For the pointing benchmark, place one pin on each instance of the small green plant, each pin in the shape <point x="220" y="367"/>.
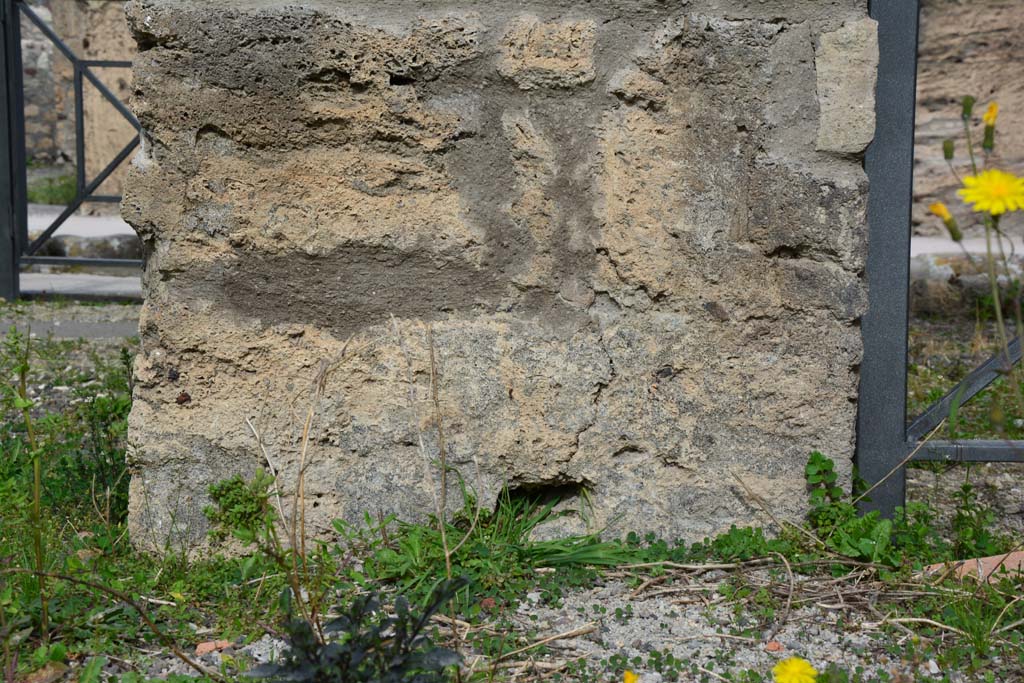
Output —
<point x="366" y="644"/>
<point x="972" y="526"/>
<point x="19" y="349"/>
<point x="915" y="535"/>
<point x="741" y="544"/>
<point x="242" y="508"/>
<point x="821" y="477"/>
<point x="836" y="521"/>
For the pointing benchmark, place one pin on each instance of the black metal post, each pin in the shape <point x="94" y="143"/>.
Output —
<point x="11" y="100"/>
<point x="881" y="418"/>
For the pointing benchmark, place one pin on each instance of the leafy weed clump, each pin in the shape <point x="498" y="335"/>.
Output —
<point x="365" y="643"/>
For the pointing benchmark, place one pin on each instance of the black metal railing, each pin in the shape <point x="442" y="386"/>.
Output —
<point x="885" y="441"/>
<point x="17" y="249"/>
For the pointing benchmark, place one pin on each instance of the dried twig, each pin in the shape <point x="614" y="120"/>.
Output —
<point x="442" y="455"/>
<point x="723" y="636"/>
<point x="581" y="631"/>
<point x="167" y="641"/>
<point x="767" y="510"/>
<point x="270" y="464"/>
<point x="901" y="463"/>
<point x="789" y="595"/>
<point x="711" y="673"/>
<point x="428" y="473"/>
<point x="647" y="584"/>
<point x="915" y="620"/>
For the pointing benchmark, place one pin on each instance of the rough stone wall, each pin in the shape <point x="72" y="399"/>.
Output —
<point x="966" y="48"/>
<point x="39" y="89"/>
<point x="94" y="29"/>
<point x="636" y="231"/>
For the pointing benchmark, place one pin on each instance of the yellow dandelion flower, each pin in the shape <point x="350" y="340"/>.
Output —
<point x="794" y="670"/>
<point x="940" y="210"/>
<point x="630" y="677"/>
<point x="991" y="114"/>
<point x="994" y="192"/>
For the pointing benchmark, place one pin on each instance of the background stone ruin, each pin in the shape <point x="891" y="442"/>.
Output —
<point x="966" y="48"/>
<point x="93" y="29"/>
<point x="632" y="233"/>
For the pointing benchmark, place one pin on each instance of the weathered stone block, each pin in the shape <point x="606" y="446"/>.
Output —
<point x="537" y="54"/>
<point x="847" y="61"/>
<point x="639" y="276"/>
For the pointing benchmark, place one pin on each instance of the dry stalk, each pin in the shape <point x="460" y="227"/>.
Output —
<point x="1002" y="613"/>
<point x="789" y="594"/>
<point x="723" y="636"/>
<point x="712" y="674"/>
<point x="764" y="508"/>
<point x="915" y="620"/>
<point x="581" y="631"/>
<point x="882" y="617"/>
<point x="298" y="573"/>
<point x="647" y="584"/>
<point x="901" y="463"/>
<point x="442" y="454"/>
<point x="299" y="511"/>
<point x="438" y="495"/>
<point x="270" y="465"/>
<point x="167" y="641"/>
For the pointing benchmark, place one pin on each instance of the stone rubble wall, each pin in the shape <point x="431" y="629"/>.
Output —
<point x="633" y="235"/>
<point x="93" y="29"/>
<point x="39" y="89"/>
<point x="966" y="48"/>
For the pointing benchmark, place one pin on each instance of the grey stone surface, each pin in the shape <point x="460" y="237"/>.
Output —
<point x="41" y="216"/>
<point x="82" y="284"/>
<point x="966" y="48"/>
<point x="846" y="62"/>
<point x="72" y="329"/>
<point x="643" y="280"/>
<point x="39" y="89"/>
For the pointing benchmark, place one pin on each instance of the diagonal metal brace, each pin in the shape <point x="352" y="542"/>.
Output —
<point x="80" y="199"/>
<point x="970" y="386"/>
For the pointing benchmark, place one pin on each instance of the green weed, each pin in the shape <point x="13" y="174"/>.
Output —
<point x="60" y="190"/>
<point x="498" y="555"/>
<point x="365" y="644"/>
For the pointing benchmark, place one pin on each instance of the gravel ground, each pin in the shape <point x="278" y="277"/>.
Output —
<point x="611" y="625"/>
<point x="999" y="486"/>
<point x="48" y="311"/>
<point x="704" y="635"/>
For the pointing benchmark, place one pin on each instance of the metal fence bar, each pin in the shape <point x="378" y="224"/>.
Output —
<point x="979" y="378"/>
<point x="81" y="198"/>
<point x="15" y="249"/>
<point x="46" y="30"/>
<point x="79" y="261"/>
<point x="18" y="172"/>
<point x="8" y="229"/>
<point x="972" y="450"/>
<point x="112" y="98"/>
<point x="106" y="63"/>
<point x="881" y="415"/>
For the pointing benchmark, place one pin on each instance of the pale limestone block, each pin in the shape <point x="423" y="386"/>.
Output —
<point x="847" y="67"/>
